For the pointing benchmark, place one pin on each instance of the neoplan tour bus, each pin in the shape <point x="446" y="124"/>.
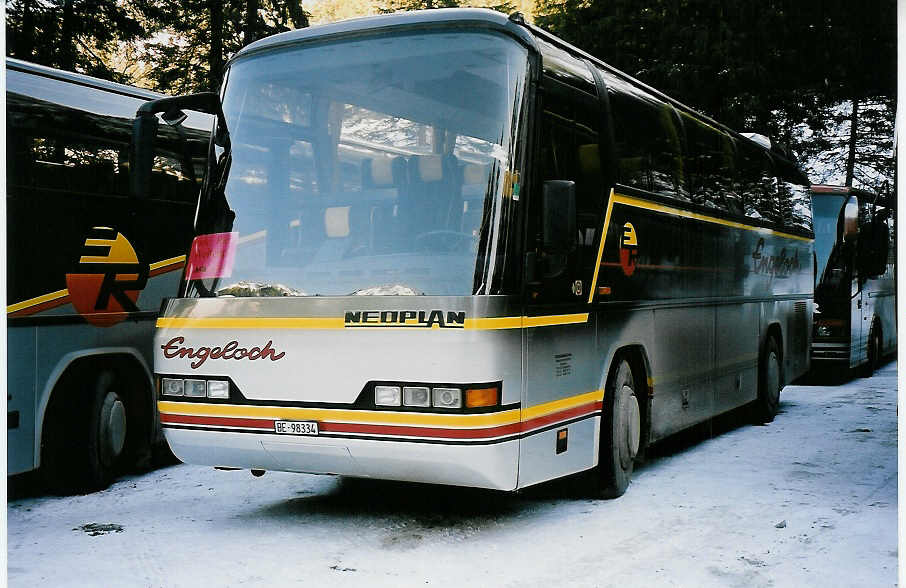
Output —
<point x="445" y="246"/>
<point x="855" y="278"/>
<point x="87" y="267"/>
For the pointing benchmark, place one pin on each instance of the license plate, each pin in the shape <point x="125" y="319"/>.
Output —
<point x="296" y="427"/>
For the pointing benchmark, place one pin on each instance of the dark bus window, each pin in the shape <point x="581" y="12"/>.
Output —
<point x="570" y="151"/>
<point x="710" y="165"/>
<point x="757" y="183"/>
<point x="62" y="148"/>
<point x="648" y="144"/>
<point x="566" y="69"/>
<point x="795" y="197"/>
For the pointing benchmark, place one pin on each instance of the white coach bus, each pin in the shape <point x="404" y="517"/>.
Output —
<point x="448" y="247"/>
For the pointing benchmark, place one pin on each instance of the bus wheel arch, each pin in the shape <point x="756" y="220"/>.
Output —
<point x="625" y="421"/>
<point x="96" y="420"/>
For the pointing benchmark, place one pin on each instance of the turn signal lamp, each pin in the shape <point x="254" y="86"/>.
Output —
<point x="479" y="397"/>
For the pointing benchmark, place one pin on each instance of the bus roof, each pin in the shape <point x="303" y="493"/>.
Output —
<point x="462" y="17"/>
<point x="80" y="79"/>
<point x="825" y="189"/>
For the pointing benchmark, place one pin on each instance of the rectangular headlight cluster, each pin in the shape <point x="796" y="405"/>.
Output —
<point x="195" y="388"/>
<point x="437" y="397"/>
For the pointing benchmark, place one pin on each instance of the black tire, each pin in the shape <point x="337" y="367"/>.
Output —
<point x="621" y="431"/>
<point x="770" y="379"/>
<point x="87" y="435"/>
<point x="874" y="351"/>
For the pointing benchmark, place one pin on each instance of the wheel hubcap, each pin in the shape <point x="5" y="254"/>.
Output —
<point x="630" y="426"/>
<point x="112" y="428"/>
<point x="774" y="378"/>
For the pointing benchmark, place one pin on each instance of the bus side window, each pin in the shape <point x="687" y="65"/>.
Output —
<point x="757" y="183"/>
<point x="795" y="197"/>
<point x="569" y="151"/>
<point x="648" y="142"/>
<point x="710" y="165"/>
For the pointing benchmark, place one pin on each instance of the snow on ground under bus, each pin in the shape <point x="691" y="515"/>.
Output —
<point x="808" y="500"/>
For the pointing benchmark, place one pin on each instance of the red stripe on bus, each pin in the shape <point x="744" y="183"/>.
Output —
<point x="185" y="419"/>
<point x="43" y="306"/>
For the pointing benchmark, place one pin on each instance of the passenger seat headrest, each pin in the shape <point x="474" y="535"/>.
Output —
<point x="382" y="171"/>
<point x="430" y="168"/>
<point x="589" y="159"/>
<point x="336" y="221"/>
<point x="475" y="173"/>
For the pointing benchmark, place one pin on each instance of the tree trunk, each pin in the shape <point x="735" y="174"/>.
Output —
<point x="26" y="37"/>
<point x="67" y="42"/>
<point x="251" y="21"/>
<point x="215" y="57"/>
<point x="853" y="136"/>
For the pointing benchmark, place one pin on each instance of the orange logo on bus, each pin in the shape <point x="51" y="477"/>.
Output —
<point x="109" y="278"/>
<point x="629" y="249"/>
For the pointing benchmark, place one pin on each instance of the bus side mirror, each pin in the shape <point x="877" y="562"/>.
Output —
<point x="874" y="247"/>
<point x="850" y="220"/>
<point x="144" y="129"/>
<point x="141" y="154"/>
<point x="559" y="214"/>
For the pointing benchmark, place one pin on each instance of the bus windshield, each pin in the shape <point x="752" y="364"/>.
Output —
<point x="376" y="165"/>
<point x="830" y="263"/>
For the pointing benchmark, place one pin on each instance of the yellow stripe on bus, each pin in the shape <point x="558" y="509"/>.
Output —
<point x="648" y="205"/>
<point x="547" y="408"/>
<point x="38" y="300"/>
<point x="483" y="323"/>
<point x="166" y="262"/>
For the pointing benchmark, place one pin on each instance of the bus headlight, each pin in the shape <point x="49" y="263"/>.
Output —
<point x="446" y="397"/>
<point x="387" y="395"/>
<point x="195" y="388"/>
<point x="218" y="389"/>
<point x="171" y="387"/>
<point x="416" y="396"/>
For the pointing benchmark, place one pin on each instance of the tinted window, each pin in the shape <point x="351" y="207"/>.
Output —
<point x="647" y="140"/>
<point x="75" y="140"/>
<point x="710" y="165"/>
<point x="757" y="183"/>
<point x="570" y="151"/>
<point x="563" y="67"/>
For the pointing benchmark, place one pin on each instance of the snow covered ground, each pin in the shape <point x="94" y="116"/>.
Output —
<point x="809" y="500"/>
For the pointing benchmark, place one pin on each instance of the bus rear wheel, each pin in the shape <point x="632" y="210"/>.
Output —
<point x="874" y="351"/>
<point x="621" y="428"/>
<point x="769" y="383"/>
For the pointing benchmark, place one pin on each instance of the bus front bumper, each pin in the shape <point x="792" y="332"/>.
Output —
<point x="487" y="465"/>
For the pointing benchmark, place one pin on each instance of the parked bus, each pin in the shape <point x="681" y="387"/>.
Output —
<point x="448" y="247"/>
<point x="855" y="278"/>
<point x="87" y="267"/>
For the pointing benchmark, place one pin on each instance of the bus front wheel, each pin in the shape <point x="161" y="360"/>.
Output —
<point x="85" y="437"/>
<point x="621" y="427"/>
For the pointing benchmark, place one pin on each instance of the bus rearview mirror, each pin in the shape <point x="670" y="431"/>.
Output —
<point x="850" y="219"/>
